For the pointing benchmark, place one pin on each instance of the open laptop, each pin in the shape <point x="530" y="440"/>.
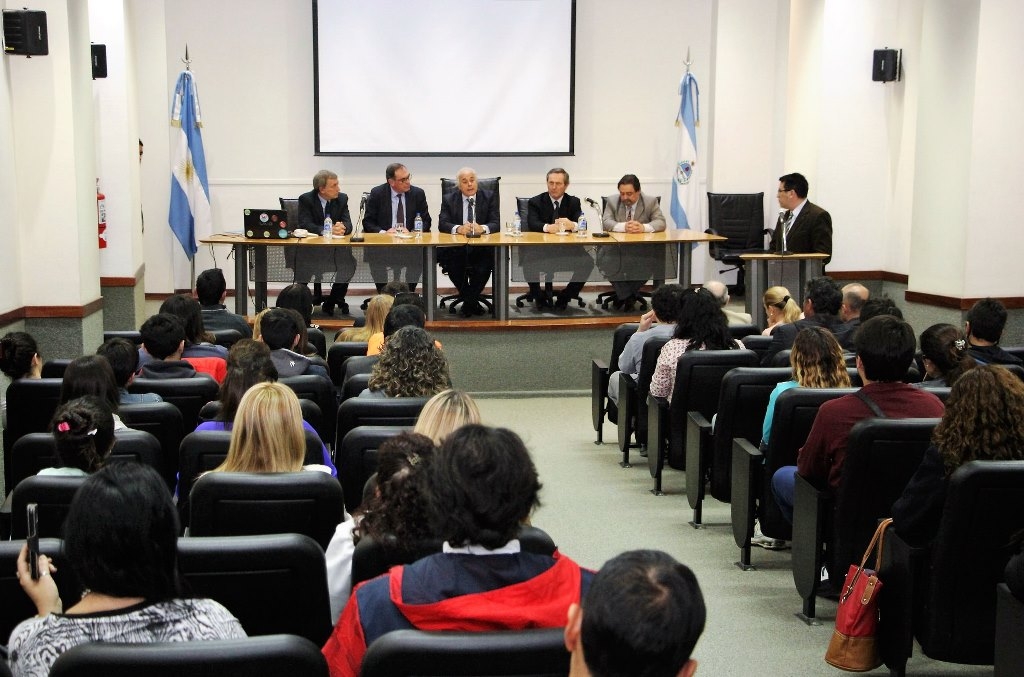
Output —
<point x="267" y="224"/>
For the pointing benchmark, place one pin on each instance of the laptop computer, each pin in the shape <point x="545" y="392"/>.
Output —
<point x="266" y="224"/>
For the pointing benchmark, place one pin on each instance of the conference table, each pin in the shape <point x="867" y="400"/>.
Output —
<point x="429" y="242"/>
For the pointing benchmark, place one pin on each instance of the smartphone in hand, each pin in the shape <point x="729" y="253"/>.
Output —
<point x="33" y="540"/>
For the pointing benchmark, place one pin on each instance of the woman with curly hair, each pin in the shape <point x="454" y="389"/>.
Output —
<point x="395" y="514"/>
<point x="701" y="326"/>
<point x="984" y="421"/>
<point x="410" y="365"/>
<point x="944" y="355"/>
<point x="817" y="361"/>
<point x="376" y="310"/>
<point x="779" y="308"/>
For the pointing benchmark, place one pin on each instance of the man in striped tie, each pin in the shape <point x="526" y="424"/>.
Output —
<point x="806" y="226"/>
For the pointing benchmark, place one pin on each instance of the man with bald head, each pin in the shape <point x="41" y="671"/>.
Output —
<point x="854" y="297"/>
<point x="471" y="212"/>
<point x="721" y="294"/>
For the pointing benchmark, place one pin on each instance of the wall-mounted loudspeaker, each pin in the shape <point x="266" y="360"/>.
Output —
<point x="25" y="32"/>
<point x="99" y="61"/>
<point x="886" y="65"/>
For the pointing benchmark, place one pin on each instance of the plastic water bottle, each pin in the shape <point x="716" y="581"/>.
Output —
<point x="328" y="231"/>
<point x="517" y="225"/>
<point x="417" y="225"/>
<point x="581" y="227"/>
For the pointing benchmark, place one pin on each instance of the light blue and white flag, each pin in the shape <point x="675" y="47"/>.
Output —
<point x="685" y="189"/>
<point x="190" y="190"/>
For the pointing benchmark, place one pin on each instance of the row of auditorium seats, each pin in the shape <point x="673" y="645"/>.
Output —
<point x="827" y="531"/>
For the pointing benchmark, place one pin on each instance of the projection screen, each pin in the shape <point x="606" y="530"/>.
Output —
<point x="443" y="77"/>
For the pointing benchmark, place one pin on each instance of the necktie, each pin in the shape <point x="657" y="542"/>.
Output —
<point x="327" y="209"/>
<point x="471" y="215"/>
<point x="556" y="209"/>
<point x="629" y="213"/>
<point x="400" y="213"/>
<point x="787" y="220"/>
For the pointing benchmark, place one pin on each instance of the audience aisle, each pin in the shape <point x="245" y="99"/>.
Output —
<point x="594" y="509"/>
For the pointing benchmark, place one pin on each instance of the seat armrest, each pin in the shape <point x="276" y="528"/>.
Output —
<point x="698" y="456"/>
<point x="627" y="411"/>
<point x="598" y="391"/>
<point x="812" y="507"/>
<point x="747" y="474"/>
<point x="657" y="432"/>
<point x="902" y="571"/>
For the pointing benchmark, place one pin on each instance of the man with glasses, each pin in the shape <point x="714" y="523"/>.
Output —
<point x="807" y="227"/>
<point x="391" y="206"/>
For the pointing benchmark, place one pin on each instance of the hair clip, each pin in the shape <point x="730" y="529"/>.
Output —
<point x="960" y="344"/>
<point x="414" y="459"/>
<point x="63" y="427"/>
<point x="785" y="300"/>
<point x="92" y="433"/>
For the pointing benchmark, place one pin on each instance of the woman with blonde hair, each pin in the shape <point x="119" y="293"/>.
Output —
<point x="376" y="310"/>
<point x="446" y="412"/>
<point x="983" y="421"/>
<point x="267" y="435"/>
<point x="779" y="308"/>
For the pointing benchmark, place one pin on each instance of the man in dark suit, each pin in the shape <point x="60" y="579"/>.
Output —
<point x="470" y="212"/>
<point x="555" y="212"/>
<point x="325" y="201"/>
<point x="396" y="202"/>
<point x="808" y="227"/>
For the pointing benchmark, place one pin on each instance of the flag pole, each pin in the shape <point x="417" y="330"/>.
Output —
<point x="192" y="260"/>
<point x="188" y="62"/>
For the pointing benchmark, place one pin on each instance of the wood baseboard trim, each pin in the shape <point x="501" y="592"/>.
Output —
<point x="956" y="303"/>
<point x="871" y="275"/>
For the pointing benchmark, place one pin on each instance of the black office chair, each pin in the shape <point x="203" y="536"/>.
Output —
<point x="31" y="404"/>
<point x="881" y="457"/>
<point x="740" y="218"/>
<point x="226" y="337"/>
<point x="357" y="411"/>
<point x="268" y="655"/>
<point x="187" y="394"/>
<point x="17" y="605"/>
<point x="449" y="186"/>
<point x="163" y="421"/>
<point x="52" y="495"/>
<point x="357" y="458"/>
<point x="600" y="372"/>
<point x="338" y="353"/>
<point x="36" y="451"/>
<point x="241" y="504"/>
<point x="272" y="583"/>
<point x="526" y="653"/>
<point x="944" y="596"/>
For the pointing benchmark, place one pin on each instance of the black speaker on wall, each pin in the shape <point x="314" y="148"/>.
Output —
<point x="99" y="61"/>
<point x="886" y="65"/>
<point x="25" y="32"/>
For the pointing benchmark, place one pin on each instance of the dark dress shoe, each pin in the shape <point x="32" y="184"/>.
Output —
<point x="561" y="302"/>
<point x="343" y="307"/>
<point x="328" y="307"/>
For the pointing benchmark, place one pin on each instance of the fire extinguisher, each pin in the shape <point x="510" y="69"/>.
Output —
<point x="101" y="215"/>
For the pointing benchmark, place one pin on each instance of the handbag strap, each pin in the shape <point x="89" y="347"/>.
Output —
<point x="870" y="404"/>
<point x="879" y="539"/>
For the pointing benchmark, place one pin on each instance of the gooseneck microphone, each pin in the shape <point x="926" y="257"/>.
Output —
<point x="357" y="232"/>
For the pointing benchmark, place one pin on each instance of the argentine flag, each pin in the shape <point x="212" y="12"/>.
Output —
<point x="685" y="191"/>
<point x="190" y="190"/>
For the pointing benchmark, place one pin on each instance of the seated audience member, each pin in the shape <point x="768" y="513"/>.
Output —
<point x="779" y="308"/>
<point x="83" y="431"/>
<point x="249" y="363"/>
<point x="446" y="412"/>
<point x="163" y="337"/>
<point x="885" y="349"/>
<point x="92" y="375"/>
<point x="211" y="290"/>
<point x="944" y="355"/>
<point x="481" y="487"/>
<point x="120" y="541"/>
<point x="198" y="343"/>
<point x="658" y="322"/>
<point x="642" y="615"/>
<point x="400" y="315"/>
<point x="817" y="362"/>
<point x="984" y="327"/>
<point x="297" y="297"/>
<point x="721" y="294"/>
<point x="123" y="356"/>
<point x="701" y="326"/>
<point x="395" y="516"/>
<point x="880" y="306"/>
<point x="376" y="310"/>
<point x="257" y="333"/>
<point x="304" y="346"/>
<point x="822" y="300"/>
<point x="983" y="421"/>
<point x="395" y="287"/>
<point x="19" y="358"/>
<point x="409" y="366"/>
<point x="267" y="434"/>
<point x="282" y="333"/>
<point x="854" y="297"/>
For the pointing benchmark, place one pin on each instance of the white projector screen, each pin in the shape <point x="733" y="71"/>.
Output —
<point x="444" y="77"/>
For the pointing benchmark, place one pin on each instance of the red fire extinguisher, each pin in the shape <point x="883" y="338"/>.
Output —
<point x="101" y="215"/>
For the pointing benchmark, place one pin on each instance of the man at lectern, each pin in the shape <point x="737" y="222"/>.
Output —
<point x="806" y="226"/>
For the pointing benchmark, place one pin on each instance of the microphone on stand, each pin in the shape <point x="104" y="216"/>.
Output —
<point x="357" y="232"/>
<point x="593" y="204"/>
<point x="784" y="225"/>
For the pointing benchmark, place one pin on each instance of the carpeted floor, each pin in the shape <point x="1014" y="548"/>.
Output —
<point x="594" y="509"/>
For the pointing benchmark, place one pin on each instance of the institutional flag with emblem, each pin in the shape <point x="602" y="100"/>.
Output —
<point x="190" y="190"/>
<point x="685" y="191"/>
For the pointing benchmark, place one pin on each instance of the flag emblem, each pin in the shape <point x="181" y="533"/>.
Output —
<point x="684" y="171"/>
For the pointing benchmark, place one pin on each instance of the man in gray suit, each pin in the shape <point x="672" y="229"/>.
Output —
<point x="630" y="212"/>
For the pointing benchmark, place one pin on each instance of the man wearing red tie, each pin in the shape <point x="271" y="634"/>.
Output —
<point x="806" y="226"/>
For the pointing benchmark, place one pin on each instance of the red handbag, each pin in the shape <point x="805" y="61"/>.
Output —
<point x="853" y="646"/>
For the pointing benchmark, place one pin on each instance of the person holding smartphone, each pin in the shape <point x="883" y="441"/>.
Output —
<point x="121" y="544"/>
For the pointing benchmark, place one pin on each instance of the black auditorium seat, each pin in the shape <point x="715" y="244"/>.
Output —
<point x="187" y="394"/>
<point x="357" y="411"/>
<point x="163" y="421"/>
<point x="632" y="409"/>
<point x="337" y="353"/>
<point x="52" y="494"/>
<point x="357" y="458"/>
<point x="600" y="372"/>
